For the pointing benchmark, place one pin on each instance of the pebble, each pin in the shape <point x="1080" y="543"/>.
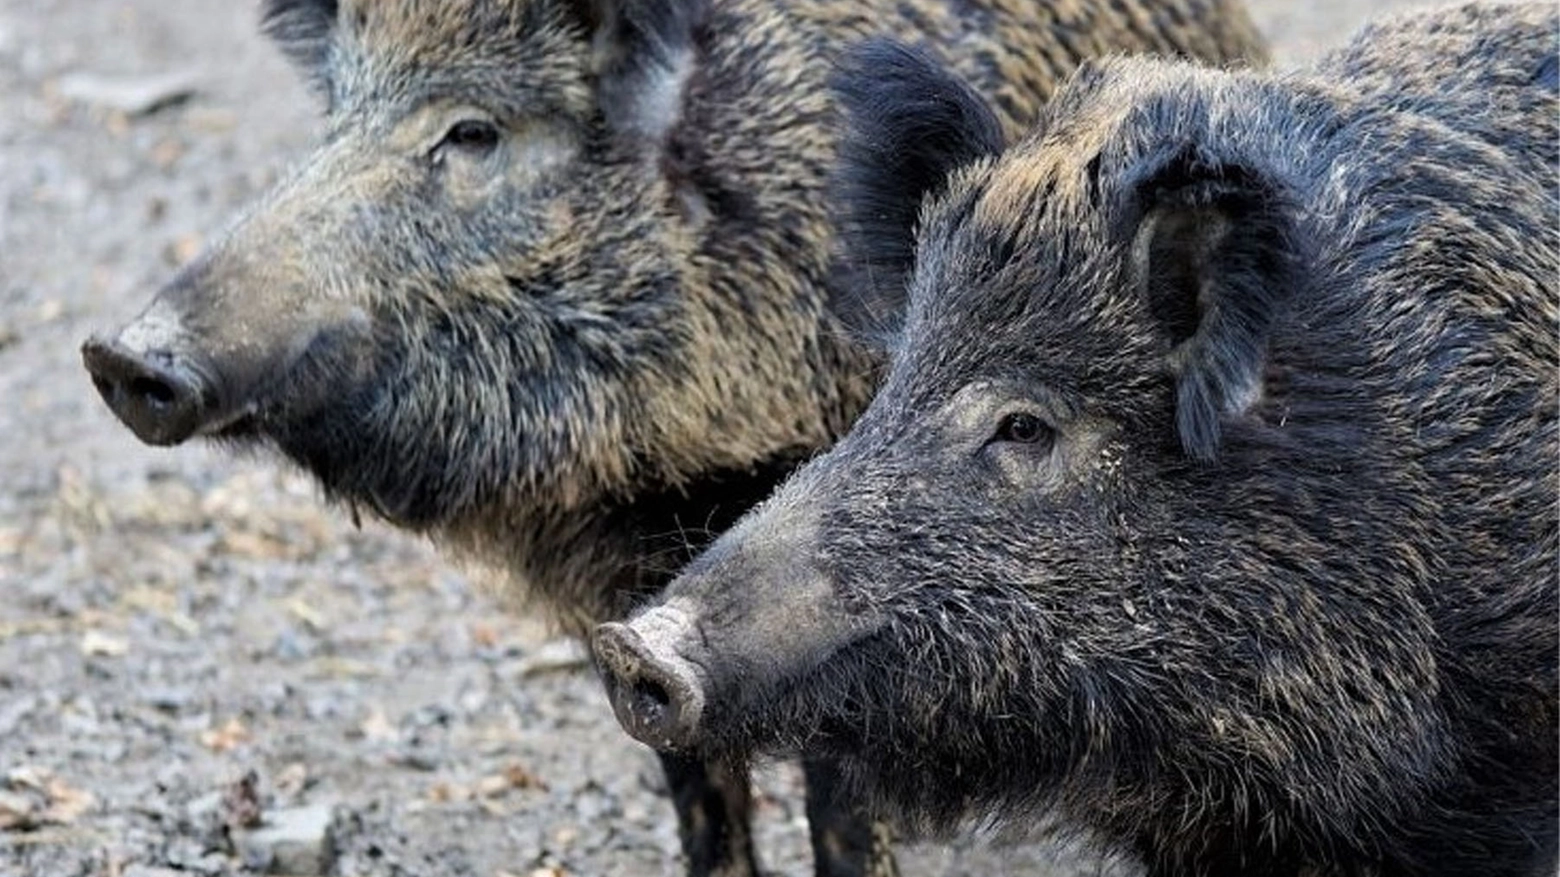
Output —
<point x="12" y="714"/>
<point x="131" y="95"/>
<point x="169" y="700"/>
<point x="148" y="871"/>
<point x="295" y="841"/>
<point x="555" y="656"/>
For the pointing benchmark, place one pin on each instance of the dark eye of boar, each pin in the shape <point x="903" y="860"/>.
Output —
<point x="1024" y="429"/>
<point x="471" y="135"/>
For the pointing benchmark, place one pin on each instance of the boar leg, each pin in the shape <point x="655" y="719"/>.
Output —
<point x="845" y="842"/>
<point x="713" y="804"/>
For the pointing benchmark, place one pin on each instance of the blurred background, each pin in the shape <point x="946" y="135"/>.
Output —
<point x="189" y="642"/>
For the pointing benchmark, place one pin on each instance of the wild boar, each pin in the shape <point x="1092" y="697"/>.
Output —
<point x="1210" y="499"/>
<point x="554" y="288"/>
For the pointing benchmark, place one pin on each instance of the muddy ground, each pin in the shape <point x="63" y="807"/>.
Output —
<point x="172" y="622"/>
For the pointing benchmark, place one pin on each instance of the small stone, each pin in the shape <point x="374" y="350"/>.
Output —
<point x="204" y="808"/>
<point x="16" y="811"/>
<point x="32" y="797"/>
<point x="565" y="836"/>
<point x="14" y="713"/>
<point x="149" y="871"/>
<point x="131" y="95"/>
<point x="169" y="700"/>
<point x="412" y="758"/>
<point x="294" y="645"/>
<point x="96" y="644"/>
<point x="557" y="656"/>
<point x="50" y="310"/>
<point x="167" y="152"/>
<point x="377" y="727"/>
<point x="295" y="841"/>
<point x="292" y="780"/>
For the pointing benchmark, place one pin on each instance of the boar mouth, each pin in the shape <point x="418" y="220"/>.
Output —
<point x="242" y="425"/>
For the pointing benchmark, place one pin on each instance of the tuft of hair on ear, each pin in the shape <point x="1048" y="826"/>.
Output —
<point x="303" y="30"/>
<point x="1219" y="258"/>
<point x="908" y="124"/>
<point x="644" y="53"/>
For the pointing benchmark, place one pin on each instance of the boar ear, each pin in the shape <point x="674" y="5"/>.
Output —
<point x="909" y="123"/>
<point x="303" y="29"/>
<point x="1218" y="259"/>
<point x="643" y="53"/>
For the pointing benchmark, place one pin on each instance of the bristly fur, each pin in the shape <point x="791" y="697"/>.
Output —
<point x="651" y="310"/>
<point x="554" y="288"/>
<point x="910" y="123"/>
<point x="302" y="28"/>
<point x="1273" y="587"/>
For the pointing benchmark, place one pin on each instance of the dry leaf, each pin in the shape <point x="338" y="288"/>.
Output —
<point x="515" y="776"/>
<point x="183" y="249"/>
<point x="66" y="804"/>
<point x="34" y="798"/>
<point x="256" y="546"/>
<point x="342" y="668"/>
<point x="442" y="793"/>
<point x="162" y="604"/>
<point x="521" y="778"/>
<point x="484" y="635"/>
<point x="229" y="736"/>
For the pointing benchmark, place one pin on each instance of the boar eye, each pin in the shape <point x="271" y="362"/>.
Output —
<point x="1024" y="429"/>
<point x="471" y="135"/>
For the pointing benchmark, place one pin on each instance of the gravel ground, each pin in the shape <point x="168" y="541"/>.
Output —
<point x="192" y="644"/>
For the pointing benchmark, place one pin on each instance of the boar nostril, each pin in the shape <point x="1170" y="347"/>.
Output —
<point x="158" y="394"/>
<point x="154" y="391"/>
<point x="657" y="697"/>
<point x="653" y="699"/>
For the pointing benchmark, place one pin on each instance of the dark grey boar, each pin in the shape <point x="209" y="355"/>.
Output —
<point x="1210" y="500"/>
<point x="555" y="286"/>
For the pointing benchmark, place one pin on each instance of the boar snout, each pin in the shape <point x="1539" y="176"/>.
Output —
<point x="161" y="395"/>
<point x="658" y="696"/>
